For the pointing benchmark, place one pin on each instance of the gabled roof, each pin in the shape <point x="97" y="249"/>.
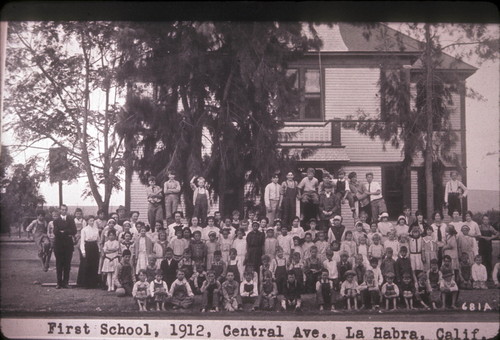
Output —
<point x="378" y="38"/>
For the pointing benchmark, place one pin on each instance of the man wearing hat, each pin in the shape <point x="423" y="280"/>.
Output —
<point x="329" y="205"/>
<point x="272" y="198"/>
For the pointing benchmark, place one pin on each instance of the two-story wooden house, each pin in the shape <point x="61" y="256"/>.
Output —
<point x="338" y="82"/>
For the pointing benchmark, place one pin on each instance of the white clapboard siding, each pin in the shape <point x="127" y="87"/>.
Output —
<point x="361" y="148"/>
<point x="349" y="90"/>
<point x="414" y="191"/>
<point x="307" y="133"/>
<point x="454" y="111"/>
<point x="348" y="221"/>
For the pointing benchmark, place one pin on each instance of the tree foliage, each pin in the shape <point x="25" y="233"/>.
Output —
<point x="61" y="87"/>
<point x="229" y="78"/>
<point x="20" y="186"/>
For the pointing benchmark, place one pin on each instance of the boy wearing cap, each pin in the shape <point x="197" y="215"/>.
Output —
<point x="272" y="198"/>
<point x="349" y="290"/>
<point x="374" y="191"/>
<point x="329" y="205"/>
<point x="449" y="290"/>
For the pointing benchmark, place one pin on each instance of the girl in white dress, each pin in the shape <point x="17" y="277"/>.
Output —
<point x="111" y="251"/>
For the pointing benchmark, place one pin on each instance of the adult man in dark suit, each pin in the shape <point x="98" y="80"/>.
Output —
<point x="64" y="230"/>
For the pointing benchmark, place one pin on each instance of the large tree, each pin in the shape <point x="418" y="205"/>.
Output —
<point x="19" y="189"/>
<point x="61" y="87"/>
<point x="229" y="78"/>
<point x="424" y="129"/>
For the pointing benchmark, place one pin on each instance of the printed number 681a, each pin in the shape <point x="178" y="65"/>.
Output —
<point x="476" y="307"/>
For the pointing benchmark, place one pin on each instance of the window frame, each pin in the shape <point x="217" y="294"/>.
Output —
<point x="301" y="82"/>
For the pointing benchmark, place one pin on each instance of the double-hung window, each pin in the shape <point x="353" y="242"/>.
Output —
<point x="308" y="83"/>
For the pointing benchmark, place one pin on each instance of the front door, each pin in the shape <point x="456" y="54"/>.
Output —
<point x="392" y="189"/>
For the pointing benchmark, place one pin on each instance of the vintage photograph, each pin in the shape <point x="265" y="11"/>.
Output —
<point x="230" y="171"/>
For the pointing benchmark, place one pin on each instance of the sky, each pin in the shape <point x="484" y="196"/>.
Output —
<point x="482" y="131"/>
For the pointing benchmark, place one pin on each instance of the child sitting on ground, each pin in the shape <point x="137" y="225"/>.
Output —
<point x="140" y="291"/>
<point x="124" y="274"/>
<point x="231" y="294"/>
<point x="180" y="294"/>
<point x="423" y="291"/>
<point x="158" y="290"/>
<point x="349" y="290"/>
<point x="449" y="290"/>
<point x="479" y="274"/>
<point x="291" y="294"/>
<point x="325" y="297"/>
<point x="407" y="289"/>
<point x="390" y="291"/>
<point x="249" y="288"/>
<point x="211" y="289"/>
<point x="268" y="293"/>
<point x="370" y="292"/>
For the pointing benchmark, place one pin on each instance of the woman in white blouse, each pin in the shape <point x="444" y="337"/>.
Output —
<point x="90" y="251"/>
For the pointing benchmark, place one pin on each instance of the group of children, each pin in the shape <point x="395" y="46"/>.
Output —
<point x="230" y="264"/>
<point x="235" y="261"/>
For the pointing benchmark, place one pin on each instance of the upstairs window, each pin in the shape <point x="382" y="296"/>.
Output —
<point x="308" y="83"/>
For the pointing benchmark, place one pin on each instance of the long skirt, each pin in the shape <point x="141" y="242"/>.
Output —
<point x="90" y="276"/>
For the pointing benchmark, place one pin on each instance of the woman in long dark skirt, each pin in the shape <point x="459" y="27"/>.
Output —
<point x="90" y="253"/>
<point x="488" y="233"/>
<point x="255" y="246"/>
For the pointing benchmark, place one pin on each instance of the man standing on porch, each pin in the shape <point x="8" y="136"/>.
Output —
<point x="272" y="198"/>
<point x="453" y="194"/>
<point x="360" y="195"/>
<point x="377" y="202"/>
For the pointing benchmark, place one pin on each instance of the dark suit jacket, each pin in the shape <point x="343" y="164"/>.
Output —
<point x="64" y="232"/>
<point x="169" y="271"/>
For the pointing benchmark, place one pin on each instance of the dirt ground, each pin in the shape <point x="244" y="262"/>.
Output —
<point x="22" y="295"/>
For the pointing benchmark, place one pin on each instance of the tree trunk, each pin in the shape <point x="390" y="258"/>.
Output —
<point x="429" y="183"/>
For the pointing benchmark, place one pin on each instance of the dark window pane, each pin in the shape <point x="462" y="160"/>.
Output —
<point x="313" y="108"/>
